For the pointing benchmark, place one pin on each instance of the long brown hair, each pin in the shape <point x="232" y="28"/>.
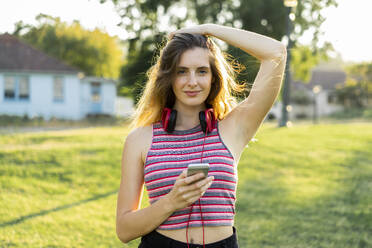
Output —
<point x="158" y="92"/>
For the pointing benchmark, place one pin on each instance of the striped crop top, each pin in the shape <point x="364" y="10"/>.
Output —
<point x="170" y="154"/>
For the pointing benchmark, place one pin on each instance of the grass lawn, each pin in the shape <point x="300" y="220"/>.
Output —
<point x="306" y="186"/>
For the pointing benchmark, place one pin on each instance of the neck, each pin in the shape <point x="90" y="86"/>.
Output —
<point x="187" y="116"/>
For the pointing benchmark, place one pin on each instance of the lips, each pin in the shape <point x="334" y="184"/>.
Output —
<point x="192" y="93"/>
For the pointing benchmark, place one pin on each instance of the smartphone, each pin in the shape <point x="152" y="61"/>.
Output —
<point x="196" y="168"/>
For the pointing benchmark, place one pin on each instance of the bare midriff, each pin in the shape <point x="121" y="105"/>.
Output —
<point x="195" y="234"/>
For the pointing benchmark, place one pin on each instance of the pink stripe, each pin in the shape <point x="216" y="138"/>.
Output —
<point x="160" y="180"/>
<point x="183" y="141"/>
<point x="215" y="173"/>
<point x="162" y="130"/>
<point x="216" y="214"/>
<point x="160" y="189"/>
<point x="185" y="222"/>
<point x="185" y="154"/>
<point x="172" y="162"/>
<point x="177" y="135"/>
<point x="223" y="189"/>
<point x="215" y="190"/>
<point x="198" y="213"/>
<point x="218" y="190"/>
<point x="218" y="197"/>
<point x="221" y="163"/>
<point x="159" y="171"/>
<point x="204" y="206"/>
<point x="225" y="181"/>
<point x="185" y="148"/>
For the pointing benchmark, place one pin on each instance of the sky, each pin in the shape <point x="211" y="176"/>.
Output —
<point x="346" y="26"/>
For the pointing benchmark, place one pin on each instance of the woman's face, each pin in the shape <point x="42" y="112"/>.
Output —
<point x="193" y="79"/>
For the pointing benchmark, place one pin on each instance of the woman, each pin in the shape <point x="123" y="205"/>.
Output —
<point x="187" y="115"/>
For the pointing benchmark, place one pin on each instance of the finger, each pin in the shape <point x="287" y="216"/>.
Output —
<point x="191" y="30"/>
<point x="180" y="179"/>
<point x="206" y="186"/>
<point x="206" y="181"/>
<point x="171" y="35"/>
<point x="183" y="174"/>
<point x="196" y="188"/>
<point x="194" y="178"/>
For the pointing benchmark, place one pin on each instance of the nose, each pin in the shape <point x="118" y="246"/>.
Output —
<point x="192" y="80"/>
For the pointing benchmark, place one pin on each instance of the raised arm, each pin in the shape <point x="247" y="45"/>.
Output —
<point x="247" y="117"/>
<point x="250" y="113"/>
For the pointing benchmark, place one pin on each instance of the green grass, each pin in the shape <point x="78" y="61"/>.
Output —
<point x="20" y="122"/>
<point x="307" y="186"/>
<point x="352" y="113"/>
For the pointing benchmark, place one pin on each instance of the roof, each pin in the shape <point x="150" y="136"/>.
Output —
<point x="19" y="56"/>
<point x="328" y="79"/>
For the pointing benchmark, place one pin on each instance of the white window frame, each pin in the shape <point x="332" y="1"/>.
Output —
<point x="60" y="97"/>
<point x="17" y="82"/>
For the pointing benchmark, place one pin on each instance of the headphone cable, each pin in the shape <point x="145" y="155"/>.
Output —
<point x="200" y="209"/>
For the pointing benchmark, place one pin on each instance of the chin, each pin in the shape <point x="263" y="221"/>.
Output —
<point x="192" y="102"/>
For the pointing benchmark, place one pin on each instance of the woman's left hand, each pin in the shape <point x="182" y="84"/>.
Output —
<point x="199" y="29"/>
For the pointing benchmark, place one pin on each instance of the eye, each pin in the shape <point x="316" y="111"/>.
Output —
<point x="203" y="71"/>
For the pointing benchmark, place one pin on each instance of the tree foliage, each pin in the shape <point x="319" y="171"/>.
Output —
<point x="304" y="58"/>
<point x="357" y="91"/>
<point x="146" y="19"/>
<point x="94" y="52"/>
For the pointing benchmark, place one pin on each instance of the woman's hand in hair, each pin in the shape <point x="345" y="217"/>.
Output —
<point x="187" y="190"/>
<point x="199" y="29"/>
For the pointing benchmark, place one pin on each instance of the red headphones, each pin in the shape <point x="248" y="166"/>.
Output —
<point x="206" y="117"/>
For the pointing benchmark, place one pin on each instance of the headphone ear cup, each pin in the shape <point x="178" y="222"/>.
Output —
<point x="172" y="121"/>
<point x="203" y="121"/>
<point x="209" y="119"/>
<point x="165" y="118"/>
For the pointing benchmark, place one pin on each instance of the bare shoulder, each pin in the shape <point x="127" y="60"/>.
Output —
<point x="139" y="139"/>
<point x="139" y="133"/>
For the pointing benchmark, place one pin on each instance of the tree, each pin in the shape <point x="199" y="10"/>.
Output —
<point x="94" y="52"/>
<point x="304" y="58"/>
<point x="357" y="91"/>
<point x="147" y="18"/>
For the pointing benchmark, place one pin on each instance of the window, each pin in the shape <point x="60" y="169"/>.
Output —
<point x="332" y="98"/>
<point x="24" y="91"/>
<point x="58" y="89"/>
<point x="10" y="88"/>
<point x="16" y="88"/>
<point x="95" y="91"/>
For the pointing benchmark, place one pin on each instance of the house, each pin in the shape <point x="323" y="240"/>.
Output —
<point x="314" y="98"/>
<point x="35" y="84"/>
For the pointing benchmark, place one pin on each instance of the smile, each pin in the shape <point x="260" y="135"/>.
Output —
<point x="192" y="93"/>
